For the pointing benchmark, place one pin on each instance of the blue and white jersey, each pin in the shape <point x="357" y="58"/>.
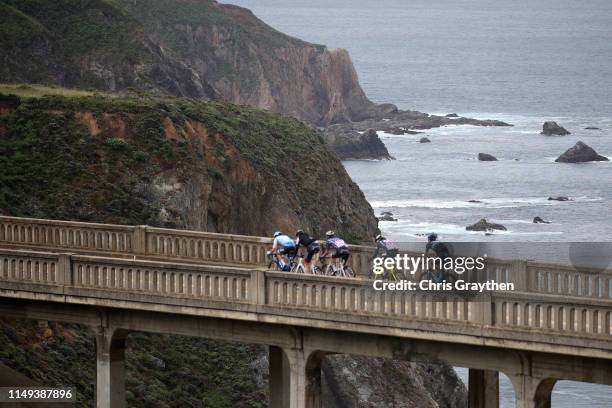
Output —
<point x="284" y="241"/>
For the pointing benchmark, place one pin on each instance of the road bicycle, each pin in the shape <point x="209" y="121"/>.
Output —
<point x="336" y="268"/>
<point x="390" y="274"/>
<point x="275" y="265"/>
<point x="299" y="267"/>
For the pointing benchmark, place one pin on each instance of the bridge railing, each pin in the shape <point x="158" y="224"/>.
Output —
<point x="248" y="251"/>
<point x="145" y="241"/>
<point x="326" y="298"/>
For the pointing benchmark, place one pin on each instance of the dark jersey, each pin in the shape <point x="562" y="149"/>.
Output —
<point x="304" y="239"/>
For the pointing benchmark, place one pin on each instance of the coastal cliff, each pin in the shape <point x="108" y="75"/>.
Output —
<point x="199" y="49"/>
<point x="194" y="48"/>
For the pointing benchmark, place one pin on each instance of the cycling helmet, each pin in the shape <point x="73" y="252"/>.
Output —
<point x="432" y="237"/>
<point x="298" y="232"/>
<point x="277" y="233"/>
<point x="330" y="234"/>
<point x="380" y="237"/>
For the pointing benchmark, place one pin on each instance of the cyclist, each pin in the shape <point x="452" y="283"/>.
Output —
<point x="337" y="246"/>
<point x="312" y="247"/>
<point x="386" y="249"/>
<point x="440" y="249"/>
<point x="283" y="245"/>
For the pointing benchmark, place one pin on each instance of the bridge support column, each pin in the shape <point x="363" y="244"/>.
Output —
<point x="110" y="368"/>
<point x="483" y="389"/>
<point x="295" y="379"/>
<point x="532" y="392"/>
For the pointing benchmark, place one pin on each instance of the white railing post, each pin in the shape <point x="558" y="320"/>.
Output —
<point x="520" y="278"/>
<point x="257" y="290"/>
<point x="64" y="269"/>
<point x="485" y="301"/>
<point x="139" y="240"/>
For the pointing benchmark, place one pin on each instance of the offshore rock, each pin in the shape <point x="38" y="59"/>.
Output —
<point x="539" y="220"/>
<point x="350" y="144"/>
<point x="486" y="157"/>
<point x="580" y="153"/>
<point x="484" y="225"/>
<point x="551" y="128"/>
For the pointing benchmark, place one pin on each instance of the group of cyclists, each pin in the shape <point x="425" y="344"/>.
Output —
<point x="332" y="247"/>
<point x="335" y="248"/>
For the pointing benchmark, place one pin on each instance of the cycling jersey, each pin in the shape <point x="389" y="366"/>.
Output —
<point x="386" y="247"/>
<point x="283" y="241"/>
<point x="336" y="243"/>
<point x="304" y="239"/>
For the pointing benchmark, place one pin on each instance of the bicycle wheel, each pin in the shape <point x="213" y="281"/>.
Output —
<point x="392" y="276"/>
<point x="329" y="270"/>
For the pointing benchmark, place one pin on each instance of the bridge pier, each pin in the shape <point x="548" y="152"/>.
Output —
<point x="110" y="368"/>
<point x="295" y="378"/>
<point x="483" y="389"/>
<point x="532" y="392"/>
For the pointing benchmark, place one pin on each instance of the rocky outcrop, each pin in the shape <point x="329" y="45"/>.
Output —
<point x="580" y="153"/>
<point x="486" y="157"/>
<point x="452" y="115"/>
<point x="539" y="220"/>
<point x="551" y="128"/>
<point x="346" y="141"/>
<point x="591" y="128"/>
<point x="350" y="144"/>
<point x="484" y="225"/>
<point x="424" y="140"/>
<point x="559" y="198"/>
<point x="386" y="216"/>
<point x="348" y="382"/>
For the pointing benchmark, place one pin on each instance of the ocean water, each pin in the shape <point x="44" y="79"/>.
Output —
<point x="521" y="61"/>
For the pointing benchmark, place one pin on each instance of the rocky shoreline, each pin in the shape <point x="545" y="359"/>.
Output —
<point x="358" y="140"/>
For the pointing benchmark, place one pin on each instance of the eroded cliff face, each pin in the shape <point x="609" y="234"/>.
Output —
<point x="248" y="62"/>
<point x="195" y="48"/>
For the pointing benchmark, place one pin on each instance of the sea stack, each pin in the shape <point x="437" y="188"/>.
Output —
<point x="580" y="153"/>
<point x="551" y="128"/>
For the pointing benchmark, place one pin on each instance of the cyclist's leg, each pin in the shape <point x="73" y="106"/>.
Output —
<point x="310" y="251"/>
